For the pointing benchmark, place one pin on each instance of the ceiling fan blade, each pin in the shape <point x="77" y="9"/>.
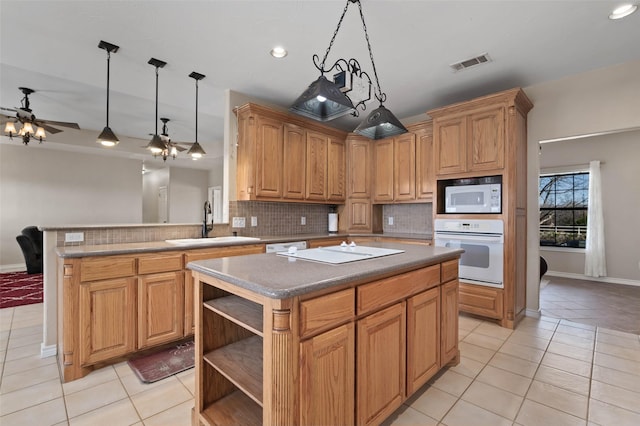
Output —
<point x="8" y="109"/>
<point x="60" y="123"/>
<point x="184" y="144"/>
<point x="47" y="128"/>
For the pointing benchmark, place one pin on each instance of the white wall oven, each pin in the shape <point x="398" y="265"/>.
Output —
<point x="483" y="244"/>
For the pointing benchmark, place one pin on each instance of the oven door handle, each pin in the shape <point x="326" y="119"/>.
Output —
<point x="483" y="239"/>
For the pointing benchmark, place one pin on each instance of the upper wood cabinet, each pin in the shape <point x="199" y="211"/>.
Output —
<point x="287" y="158"/>
<point x="383" y="171"/>
<point x="295" y="154"/>
<point x="404" y="167"/>
<point x="425" y="169"/>
<point x="395" y="166"/>
<point x="359" y="172"/>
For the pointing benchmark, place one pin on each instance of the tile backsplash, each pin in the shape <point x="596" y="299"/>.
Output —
<point x="128" y="234"/>
<point x="408" y="218"/>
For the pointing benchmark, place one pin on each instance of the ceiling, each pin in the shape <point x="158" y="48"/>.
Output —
<point x="52" y="47"/>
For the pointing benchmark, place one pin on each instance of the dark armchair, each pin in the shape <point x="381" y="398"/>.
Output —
<point x="30" y="241"/>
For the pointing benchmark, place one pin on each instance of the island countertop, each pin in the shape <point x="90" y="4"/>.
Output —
<point x="281" y="277"/>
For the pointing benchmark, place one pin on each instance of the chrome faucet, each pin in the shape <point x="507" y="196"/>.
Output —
<point x="206" y="228"/>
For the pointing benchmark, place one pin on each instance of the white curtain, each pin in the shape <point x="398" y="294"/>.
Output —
<point x="594" y="263"/>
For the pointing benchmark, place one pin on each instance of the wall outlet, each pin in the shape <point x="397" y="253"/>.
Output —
<point x="238" y="222"/>
<point x="73" y="237"/>
<point x="254" y="221"/>
<point x="303" y="220"/>
<point x="390" y="220"/>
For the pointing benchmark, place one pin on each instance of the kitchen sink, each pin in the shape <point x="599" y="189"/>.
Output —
<point x="210" y="241"/>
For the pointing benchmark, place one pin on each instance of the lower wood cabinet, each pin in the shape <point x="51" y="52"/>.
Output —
<point x="381" y="364"/>
<point x="107" y="312"/>
<point x="449" y="326"/>
<point x="160" y="308"/>
<point x="483" y="301"/>
<point x="423" y="338"/>
<point x="327" y="368"/>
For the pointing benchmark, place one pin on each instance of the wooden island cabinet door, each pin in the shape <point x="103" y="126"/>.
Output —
<point x="327" y="378"/>
<point x="107" y="319"/>
<point x="449" y="328"/>
<point x="160" y="308"/>
<point x="423" y="338"/>
<point x="381" y="364"/>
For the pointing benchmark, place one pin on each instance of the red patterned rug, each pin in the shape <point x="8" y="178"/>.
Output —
<point x="20" y="288"/>
<point x="165" y="363"/>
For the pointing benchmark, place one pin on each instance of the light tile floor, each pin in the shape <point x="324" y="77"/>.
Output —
<point x="546" y="372"/>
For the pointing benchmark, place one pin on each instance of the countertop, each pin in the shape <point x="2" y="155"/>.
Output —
<point x="281" y="277"/>
<point x="157" y="246"/>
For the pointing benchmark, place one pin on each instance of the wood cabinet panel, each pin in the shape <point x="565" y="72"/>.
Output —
<point x="107" y="319"/>
<point x="425" y="169"/>
<point x="101" y="268"/>
<point x="336" y="170"/>
<point x="449" y="270"/>
<point x="159" y="263"/>
<point x="325" y="242"/>
<point x="327" y="368"/>
<point x="327" y="311"/>
<point x="450" y="145"/>
<point x="383" y="171"/>
<point x="358" y="212"/>
<point x="423" y="338"/>
<point x="383" y="292"/>
<point x="295" y="154"/>
<point x="449" y="322"/>
<point x="486" y="140"/>
<point x="268" y="157"/>
<point x="316" y="166"/>
<point x="359" y="172"/>
<point x="381" y="365"/>
<point x="404" y="167"/>
<point x="160" y="308"/>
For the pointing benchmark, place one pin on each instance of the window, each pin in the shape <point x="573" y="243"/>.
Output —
<point x="564" y="199"/>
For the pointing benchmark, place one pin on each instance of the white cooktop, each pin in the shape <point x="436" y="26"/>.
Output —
<point x="340" y="254"/>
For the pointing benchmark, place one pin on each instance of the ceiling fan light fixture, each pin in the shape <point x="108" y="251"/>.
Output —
<point x="107" y="138"/>
<point x="27" y="129"/>
<point x="40" y="134"/>
<point x="10" y="129"/>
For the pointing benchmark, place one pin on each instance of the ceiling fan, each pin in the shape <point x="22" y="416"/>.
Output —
<point x="171" y="148"/>
<point x="25" y="116"/>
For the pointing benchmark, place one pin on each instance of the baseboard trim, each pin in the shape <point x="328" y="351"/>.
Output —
<point x="16" y="267"/>
<point x="610" y="280"/>
<point x="48" y="351"/>
<point x="533" y="313"/>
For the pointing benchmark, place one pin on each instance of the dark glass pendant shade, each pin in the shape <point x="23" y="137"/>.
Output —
<point x="156" y="145"/>
<point x="380" y="124"/>
<point x="107" y="137"/>
<point x="322" y="101"/>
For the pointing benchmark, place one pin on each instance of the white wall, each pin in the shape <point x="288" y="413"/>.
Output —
<point x="603" y="100"/>
<point x="187" y="194"/>
<point x="40" y="186"/>
<point x="620" y="154"/>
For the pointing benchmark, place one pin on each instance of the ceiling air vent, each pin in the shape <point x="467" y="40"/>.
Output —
<point x="471" y="62"/>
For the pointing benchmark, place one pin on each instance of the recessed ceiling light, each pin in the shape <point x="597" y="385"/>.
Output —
<point x="622" y="11"/>
<point x="278" y="52"/>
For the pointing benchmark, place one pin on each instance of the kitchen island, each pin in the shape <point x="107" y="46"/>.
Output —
<point x="284" y="341"/>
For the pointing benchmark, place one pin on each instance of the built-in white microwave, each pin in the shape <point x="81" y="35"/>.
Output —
<point x="477" y="198"/>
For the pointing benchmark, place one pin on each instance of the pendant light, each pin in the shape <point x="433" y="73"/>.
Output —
<point x="196" y="150"/>
<point x="107" y="137"/>
<point x="323" y="100"/>
<point x="157" y="146"/>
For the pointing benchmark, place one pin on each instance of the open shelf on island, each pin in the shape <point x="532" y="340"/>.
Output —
<point x="241" y="311"/>
<point x="241" y="364"/>
<point x="235" y="408"/>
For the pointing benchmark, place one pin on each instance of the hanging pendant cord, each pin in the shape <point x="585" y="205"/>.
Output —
<point x="380" y="96"/>
<point x="108" y="67"/>
<point x="196" y="111"/>
<point x="335" y="33"/>
<point x="156" y="100"/>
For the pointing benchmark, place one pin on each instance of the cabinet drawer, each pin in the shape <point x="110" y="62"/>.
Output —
<point x="327" y="311"/>
<point x="449" y="270"/>
<point x="203" y="254"/>
<point x="100" y="268"/>
<point x="380" y="293"/>
<point x="483" y="301"/>
<point x="160" y="263"/>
